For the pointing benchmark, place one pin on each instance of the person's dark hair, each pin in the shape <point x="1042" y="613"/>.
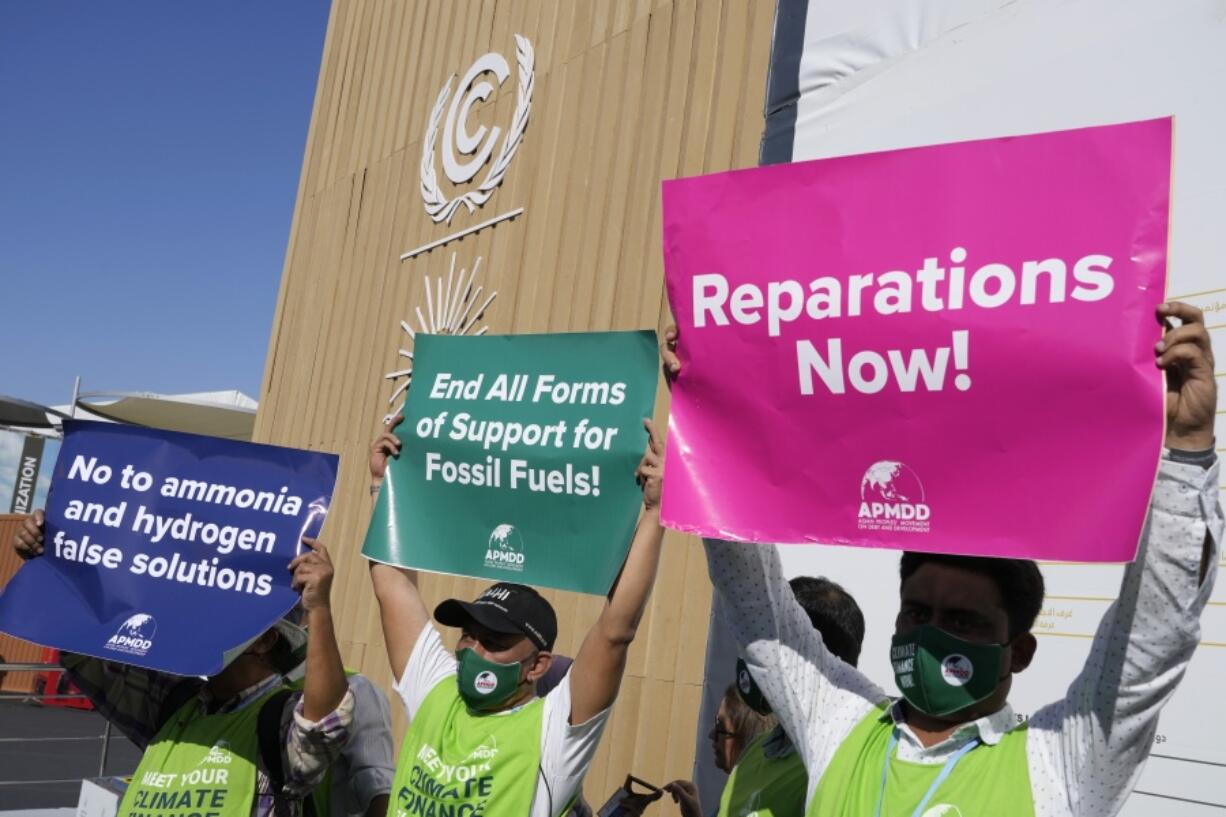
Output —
<point x="834" y="614"/>
<point x="1019" y="581"/>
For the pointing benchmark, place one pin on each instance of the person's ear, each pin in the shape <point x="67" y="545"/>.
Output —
<point x="1022" y="652"/>
<point x="539" y="666"/>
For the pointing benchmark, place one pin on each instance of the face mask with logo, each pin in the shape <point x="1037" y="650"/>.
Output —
<point x="939" y="673"/>
<point x="485" y="684"/>
<point x="748" y="689"/>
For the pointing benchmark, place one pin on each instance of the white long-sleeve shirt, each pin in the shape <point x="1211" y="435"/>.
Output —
<point x="1085" y="752"/>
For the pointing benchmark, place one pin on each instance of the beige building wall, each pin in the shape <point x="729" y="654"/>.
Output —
<point x="625" y="94"/>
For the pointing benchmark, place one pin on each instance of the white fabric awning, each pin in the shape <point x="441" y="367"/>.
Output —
<point x="229" y="414"/>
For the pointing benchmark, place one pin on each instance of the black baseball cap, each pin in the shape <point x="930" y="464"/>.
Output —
<point x="505" y="608"/>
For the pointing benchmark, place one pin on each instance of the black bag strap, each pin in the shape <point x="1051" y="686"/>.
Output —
<point x="268" y="731"/>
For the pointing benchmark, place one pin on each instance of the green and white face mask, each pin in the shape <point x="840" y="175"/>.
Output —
<point x="485" y="685"/>
<point x="939" y="673"/>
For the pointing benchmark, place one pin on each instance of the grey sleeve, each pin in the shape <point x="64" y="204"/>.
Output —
<point x="369" y="756"/>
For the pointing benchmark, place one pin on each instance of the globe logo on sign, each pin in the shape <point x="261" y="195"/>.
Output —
<point x="505" y="549"/>
<point x="890" y="481"/>
<point x="134" y="636"/>
<point x="892" y="499"/>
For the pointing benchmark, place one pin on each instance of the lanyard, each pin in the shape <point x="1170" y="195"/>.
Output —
<point x="936" y="784"/>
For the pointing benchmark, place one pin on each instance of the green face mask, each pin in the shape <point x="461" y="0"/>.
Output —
<point x="484" y="685"/>
<point x="748" y="689"/>
<point x="939" y="673"/>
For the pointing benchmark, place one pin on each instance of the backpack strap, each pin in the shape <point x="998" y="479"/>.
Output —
<point x="268" y="731"/>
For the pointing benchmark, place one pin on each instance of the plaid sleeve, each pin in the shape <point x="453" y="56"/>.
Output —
<point x="135" y="700"/>
<point x="310" y="747"/>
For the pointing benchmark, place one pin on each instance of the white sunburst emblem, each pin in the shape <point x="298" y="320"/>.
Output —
<point x="451" y="309"/>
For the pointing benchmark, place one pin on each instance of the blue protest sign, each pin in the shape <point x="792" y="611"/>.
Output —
<point x="165" y="550"/>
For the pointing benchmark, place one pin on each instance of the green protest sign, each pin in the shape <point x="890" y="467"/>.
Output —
<point x="518" y="457"/>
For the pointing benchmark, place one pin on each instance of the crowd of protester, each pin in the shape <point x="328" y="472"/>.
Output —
<point x="502" y="727"/>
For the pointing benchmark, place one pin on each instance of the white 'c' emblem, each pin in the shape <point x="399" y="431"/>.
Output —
<point x="479" y="146"/>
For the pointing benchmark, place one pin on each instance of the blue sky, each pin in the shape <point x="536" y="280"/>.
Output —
<point x="149" y="160"/>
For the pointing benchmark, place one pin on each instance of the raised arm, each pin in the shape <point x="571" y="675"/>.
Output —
<point x="324" y="684"/>
<point x="817" y="697"/>
<point x="401" y="609"/>
<point x="1101" y="733"/>
<point x="596" y="675"/>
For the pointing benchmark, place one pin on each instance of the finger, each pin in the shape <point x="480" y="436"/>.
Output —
<point x="306" y="557"/>
<point x="386" y="443"/>
<point x="653" y="439"/>
<point x="395" y="421"/>
<point x="1185" y="313"/>
<point x="1184" y="356"/>
<point x="40" y="518"/>
<point x="668" y="350"/>
<point x="1194" y="333"/>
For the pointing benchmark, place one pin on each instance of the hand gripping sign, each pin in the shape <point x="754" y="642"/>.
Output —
<point x="945" y="348"/>
<point x="165" y="550"/>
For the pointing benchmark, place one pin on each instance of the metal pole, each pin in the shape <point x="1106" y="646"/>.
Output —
<point x="76" y="391"/>
<point x="106" y="745"/>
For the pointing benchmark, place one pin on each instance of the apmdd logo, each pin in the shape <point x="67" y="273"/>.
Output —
<point x="892" y="499"/>
<point x="134" y="636"/>
<point x="486" y="682"/>
<point x="957" y="670"/>
<point x="505" y="549"/>
<point x="219" y="754"/>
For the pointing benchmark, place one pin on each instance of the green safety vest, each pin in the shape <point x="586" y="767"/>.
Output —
<point x="761" y="786"/>
<point x="198" y="765"/>
<point x="988" y="780"/>
<point x="458" y="763"/>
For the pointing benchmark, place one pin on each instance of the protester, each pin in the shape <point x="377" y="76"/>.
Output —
<point x="238" y="743"/>
<point x="360" y="779"/>
<point x="479" y="738"/>
<point x="768" y="778"/>
<point x="737" y="725"/>
<point x="952" y="744"/>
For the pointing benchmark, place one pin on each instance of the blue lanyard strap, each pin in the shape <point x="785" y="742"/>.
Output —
<point x="936" y="784"/>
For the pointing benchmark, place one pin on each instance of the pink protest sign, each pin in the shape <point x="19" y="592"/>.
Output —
<point x="946" y="348"/>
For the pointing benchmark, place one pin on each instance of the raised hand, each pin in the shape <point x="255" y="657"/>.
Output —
<point x="28" y="541"/>
<point x="1186" y="356"/>
<point x="670" y="363"/>
<point x="650" y="472"/>
<point x="313" y="573"/>
<point x="386" y="445"/>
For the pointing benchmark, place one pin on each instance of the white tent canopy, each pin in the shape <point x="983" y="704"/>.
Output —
<point x="229" y="414"/>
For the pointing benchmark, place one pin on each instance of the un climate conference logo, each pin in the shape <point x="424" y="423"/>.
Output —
<point x="134" y="636"/>
<point x="479" y="146"/>
<point x="892" y="499"/>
